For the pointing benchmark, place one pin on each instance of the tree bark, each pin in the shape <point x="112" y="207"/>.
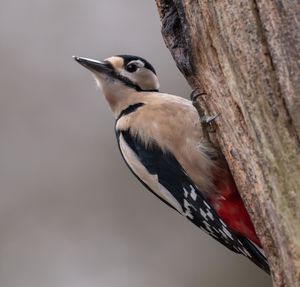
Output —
<point x="245" y="56"/>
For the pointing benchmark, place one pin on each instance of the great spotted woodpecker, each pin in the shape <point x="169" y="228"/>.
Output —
<point x="162" y="142"/>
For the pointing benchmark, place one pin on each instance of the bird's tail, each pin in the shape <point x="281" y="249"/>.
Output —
<point x="257" y="256"/>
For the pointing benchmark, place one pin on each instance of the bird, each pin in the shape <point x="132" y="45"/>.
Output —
<point x="166" y="147"/>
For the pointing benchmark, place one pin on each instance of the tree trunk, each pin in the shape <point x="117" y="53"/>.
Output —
<point x="245" y="56"/>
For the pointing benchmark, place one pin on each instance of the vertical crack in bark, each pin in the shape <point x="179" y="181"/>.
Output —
<point x="290" y="124"/>
<point x="176" y="35"/>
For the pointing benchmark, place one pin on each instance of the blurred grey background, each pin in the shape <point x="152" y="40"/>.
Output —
<point x="71" y="214"/>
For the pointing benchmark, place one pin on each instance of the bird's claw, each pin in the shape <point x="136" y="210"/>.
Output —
<point x="195" y="94"/>
<point x="208" y="123"/>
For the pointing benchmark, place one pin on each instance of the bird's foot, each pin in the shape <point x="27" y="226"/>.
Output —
<point x="207" y="122"/>
<point x="195" y="94"/>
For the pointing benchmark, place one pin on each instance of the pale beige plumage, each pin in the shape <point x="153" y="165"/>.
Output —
<point x="173" y="123"/>
<point x="162" y="141"/>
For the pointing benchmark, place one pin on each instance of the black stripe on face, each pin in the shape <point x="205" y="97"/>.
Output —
<point x="127" y="82"/>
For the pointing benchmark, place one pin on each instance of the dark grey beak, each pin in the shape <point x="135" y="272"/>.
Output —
<point x="95" y="66"/>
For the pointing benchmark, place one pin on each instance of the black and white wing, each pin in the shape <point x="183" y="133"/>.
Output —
<point x="162" y="174"/>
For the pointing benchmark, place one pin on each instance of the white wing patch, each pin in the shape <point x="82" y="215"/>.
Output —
<point x="150" y="180"/>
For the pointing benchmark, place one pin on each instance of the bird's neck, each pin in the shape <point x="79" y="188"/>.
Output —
<point x="122" y="99"/>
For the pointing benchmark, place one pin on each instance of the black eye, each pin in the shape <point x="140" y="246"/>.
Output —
<point x="131" y="68"/>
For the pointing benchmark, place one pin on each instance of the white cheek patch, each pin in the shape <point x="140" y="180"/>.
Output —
<point x="147" y="79"/>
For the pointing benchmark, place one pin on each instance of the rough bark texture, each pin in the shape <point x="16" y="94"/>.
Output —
<point x="245" y="56"/>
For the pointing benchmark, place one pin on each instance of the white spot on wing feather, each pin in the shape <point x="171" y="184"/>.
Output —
<point x="193" y="193"/>
<point x="207" y="205"/>
<point x="227" y="232"/>
<point x="203" y="214"/>
<point x="185" y="193"/>
<point x="210" y="215"/>
<point x="187" y="211"/>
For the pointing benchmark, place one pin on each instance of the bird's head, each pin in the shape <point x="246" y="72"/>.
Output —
<point x="121" y="76"/>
